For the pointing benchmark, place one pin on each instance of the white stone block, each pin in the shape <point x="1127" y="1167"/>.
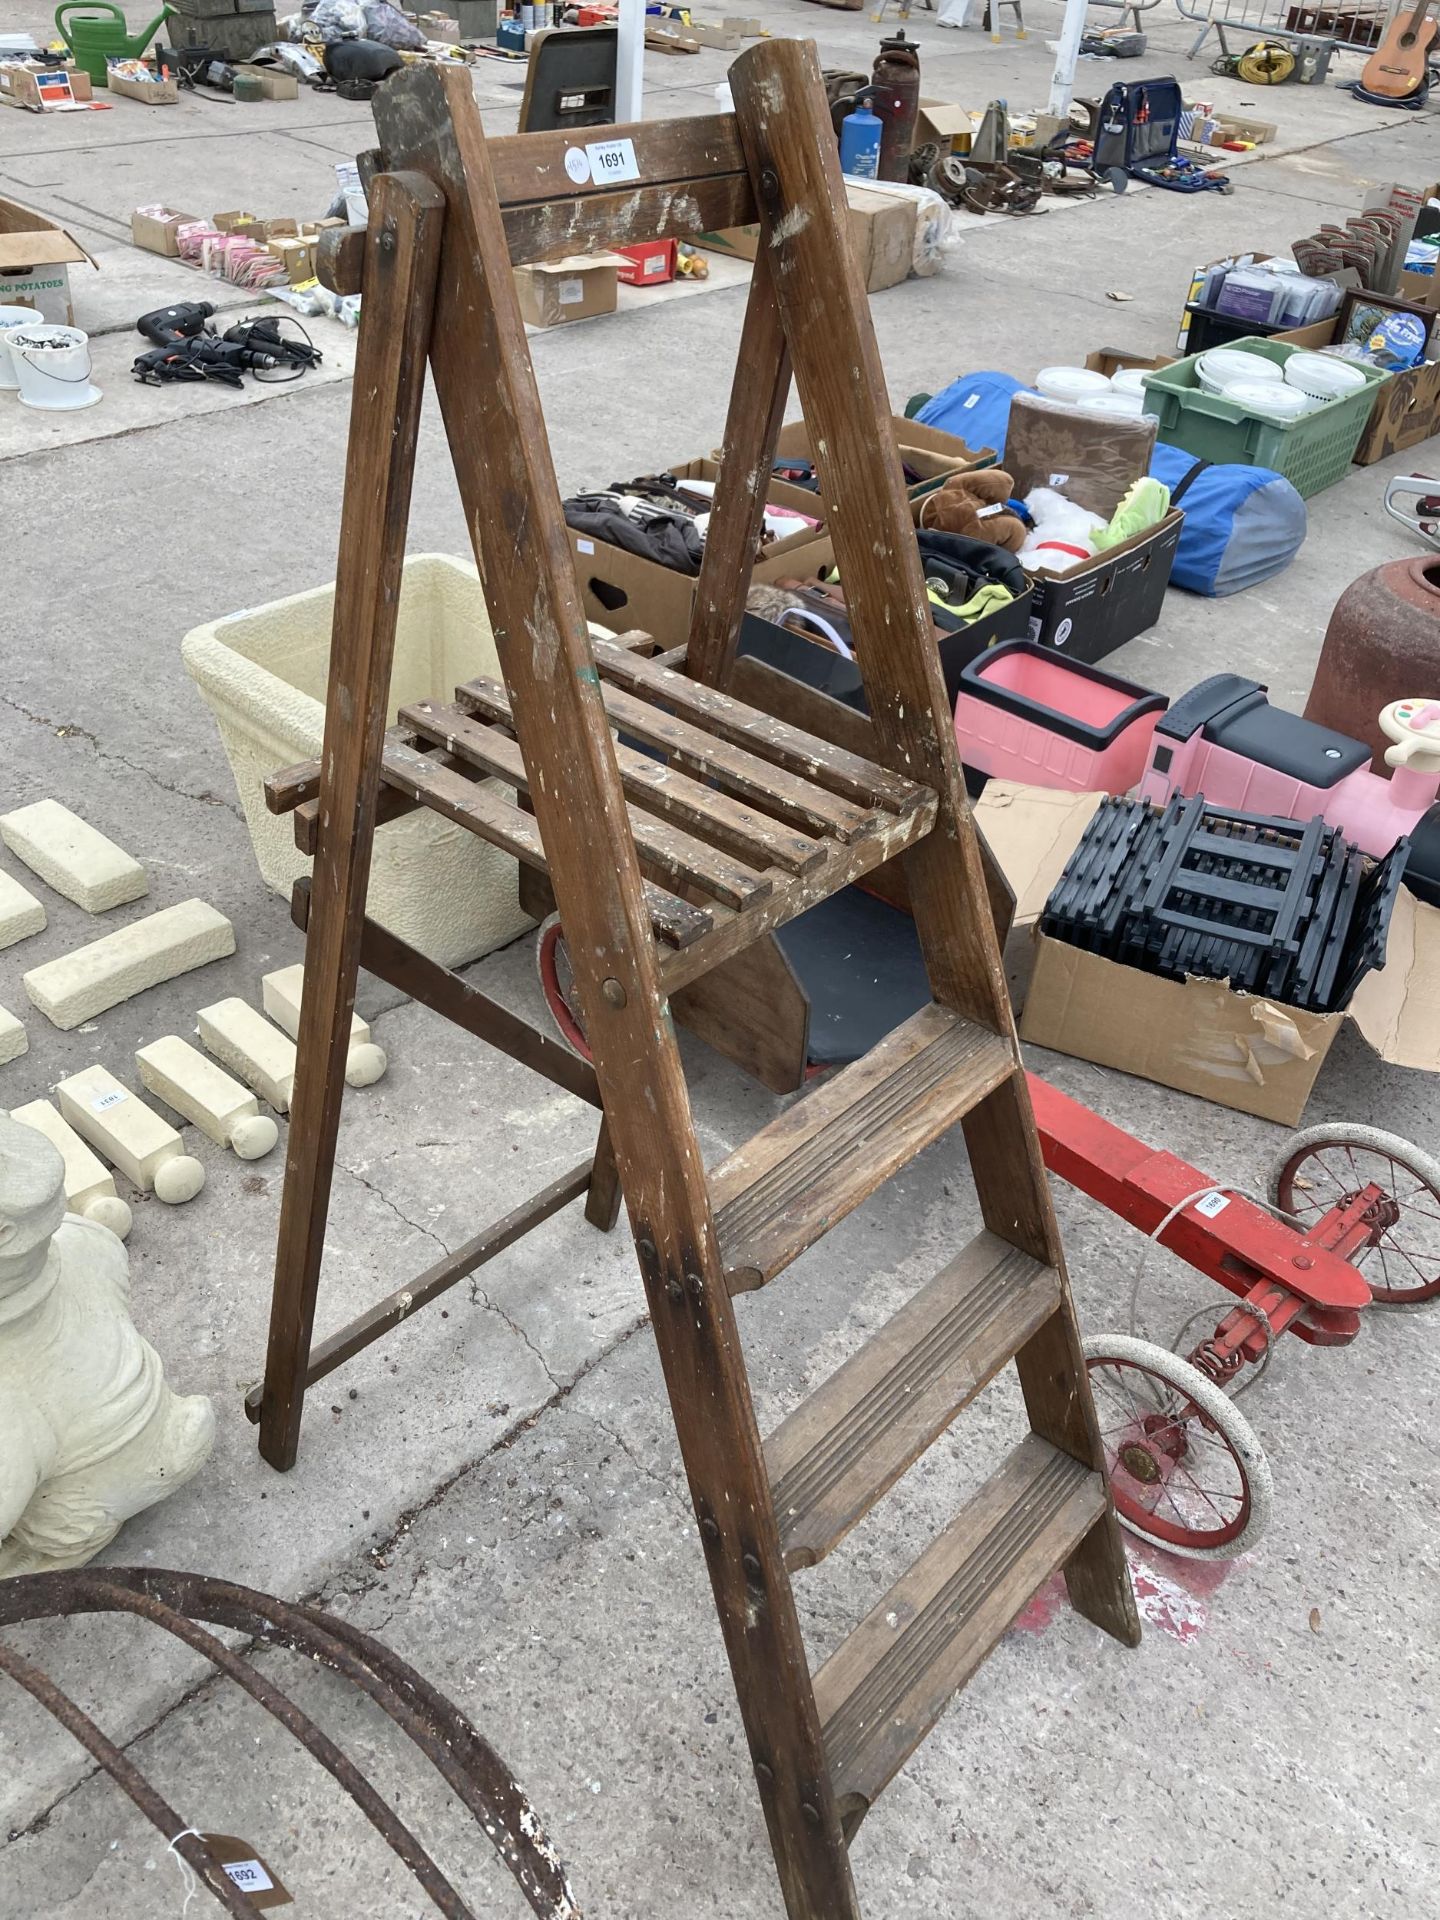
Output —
<point x="206" y="1095"/>
<point x="132" y="1136"/>
<point x="77" y="986"/>
<point x="21" y="914"/>
<point x="244" y="1040"/>
<point x="281" y="993"/>
<point x="73" y="857"/>
<point x="13" y="1039"/>
<point x="89" y="1183"/>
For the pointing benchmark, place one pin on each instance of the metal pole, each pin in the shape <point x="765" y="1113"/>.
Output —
<point x="1067" y="55"/>
<point x="630" y="60"/>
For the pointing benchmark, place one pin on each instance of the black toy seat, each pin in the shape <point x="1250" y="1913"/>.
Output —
<point x="1236" y="714"/>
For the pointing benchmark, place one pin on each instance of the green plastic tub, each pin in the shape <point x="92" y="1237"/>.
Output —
<point x="1312" y="452"/>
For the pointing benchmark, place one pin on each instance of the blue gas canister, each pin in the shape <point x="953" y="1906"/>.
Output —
<point x="860" y="134"/>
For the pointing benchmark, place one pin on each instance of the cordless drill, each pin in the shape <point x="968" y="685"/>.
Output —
<point x="166" y="325"/>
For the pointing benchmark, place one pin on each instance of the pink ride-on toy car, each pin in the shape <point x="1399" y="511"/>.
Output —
<point x="1225" y="740"/>
<point x="1025" y="712"/>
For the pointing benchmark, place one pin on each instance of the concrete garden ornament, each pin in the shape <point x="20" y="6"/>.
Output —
<point x="90" y="1434"/>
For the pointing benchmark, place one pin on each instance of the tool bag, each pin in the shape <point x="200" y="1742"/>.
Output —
<point x="1242" y="525"/>
<point x="1138" y="127"/>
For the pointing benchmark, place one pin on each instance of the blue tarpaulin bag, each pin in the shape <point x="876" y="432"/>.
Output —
<point x="1242" y="524"/>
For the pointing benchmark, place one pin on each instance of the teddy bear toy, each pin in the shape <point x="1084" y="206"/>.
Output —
<point x="90" y="1433"/>
<point x="973" y="504"/>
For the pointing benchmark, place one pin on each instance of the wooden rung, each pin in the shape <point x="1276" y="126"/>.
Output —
<point x="675" y="855"/>
<point x="530" y="168"/>
<point x="841" y="1449"/>
<point x="806" y="754"/>
<point x="713" y="815"/>
<point x="485" y="812"/>
<point x="803" y="1173"/>
<point x="788" y="797"/>
<point x="887" y="1685"/>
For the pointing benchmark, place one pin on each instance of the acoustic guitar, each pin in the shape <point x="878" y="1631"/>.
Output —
<point x="1397" y="66"/>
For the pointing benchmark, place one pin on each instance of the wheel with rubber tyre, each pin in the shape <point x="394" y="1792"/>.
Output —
<point x="1186" y="1471"/>
<point x="1330" y="1166"/>
<point x="557" y="984"/>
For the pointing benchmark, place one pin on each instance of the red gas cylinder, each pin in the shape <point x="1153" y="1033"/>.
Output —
<point x="897" y="101"/>
<point x="1382" y="644"/>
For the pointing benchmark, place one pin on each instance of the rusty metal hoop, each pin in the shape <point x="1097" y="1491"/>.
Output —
<point x="175" y="1602"/>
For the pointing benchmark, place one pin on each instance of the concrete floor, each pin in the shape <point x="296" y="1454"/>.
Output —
<point x="501" y="1497"/>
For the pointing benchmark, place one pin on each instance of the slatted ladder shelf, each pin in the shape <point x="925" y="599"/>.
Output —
<point x="675" y="827"/>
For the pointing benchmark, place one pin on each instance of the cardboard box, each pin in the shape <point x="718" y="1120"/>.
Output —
<point x="1238" y="1050"/>
<point x="1110" y="360"/>
<point x="741" y="243"/>
<point x="931" y="456"/>
<point x="155" y="228"/>
<point x="650" y="264"/>
<point x="1407" y="405"/>
<point x="150" y="93"/>
<point x="296" y="256"/>
<point x="882" y="232"/>
<point x="942" y="124"/>
<point x="554" y="291"/>
<point x="36" y="256"/>
<point x="276" y="83"/>
<point x="236" y="221"/>
<point x="43" y="89"/>
<point x="623" y="590"/>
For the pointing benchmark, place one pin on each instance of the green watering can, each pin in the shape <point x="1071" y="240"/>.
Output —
<point x="100" y="35"/>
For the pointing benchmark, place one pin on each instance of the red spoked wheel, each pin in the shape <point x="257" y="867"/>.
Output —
<point x="557" y="983"/>
<point x="1329" y="1166"/>
<point x="1185" y="1468"/>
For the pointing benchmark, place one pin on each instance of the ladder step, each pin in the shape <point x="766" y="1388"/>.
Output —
<point x="883" y="1690"/>
<point x="798" y="1177"/>
<point x="841" y="1449"/>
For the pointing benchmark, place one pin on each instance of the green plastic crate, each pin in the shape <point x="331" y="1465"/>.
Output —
<point x="1312" y="452"/>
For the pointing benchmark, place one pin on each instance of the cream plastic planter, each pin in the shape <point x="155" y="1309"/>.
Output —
<point x="263" y="674"/>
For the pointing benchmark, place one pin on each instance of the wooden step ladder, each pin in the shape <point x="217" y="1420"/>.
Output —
<point x="667" y="862"/>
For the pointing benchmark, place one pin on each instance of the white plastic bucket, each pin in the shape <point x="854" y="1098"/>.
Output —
<point x="53" y="366"/>
<point x="12" y="317"/>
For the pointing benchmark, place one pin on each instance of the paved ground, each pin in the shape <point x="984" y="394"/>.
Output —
<point x="501" y="1497"/>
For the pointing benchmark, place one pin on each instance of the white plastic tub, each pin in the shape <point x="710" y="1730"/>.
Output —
<point x="263" y="674"/>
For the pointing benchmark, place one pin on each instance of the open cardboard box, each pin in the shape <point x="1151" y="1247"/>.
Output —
<point x="1237" y="1049"/>
<point x="932" y="456"/>
<point x="36" y="256"/>
<point x="624" y="590"/>
<point x="882" y="234"/>
<point x="1407" y="405"/>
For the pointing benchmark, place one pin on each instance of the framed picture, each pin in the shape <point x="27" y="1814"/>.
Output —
<point x="1360" y="314"/>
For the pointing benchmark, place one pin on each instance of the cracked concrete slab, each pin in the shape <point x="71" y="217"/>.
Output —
<point x="503" y="1499"/>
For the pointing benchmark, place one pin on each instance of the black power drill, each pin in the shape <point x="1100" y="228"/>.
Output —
<point x="166" y="325"/>
<point x="186" y="351"/>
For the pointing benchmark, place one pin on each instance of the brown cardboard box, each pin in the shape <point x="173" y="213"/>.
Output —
<point x="296" y="256"/>
<point x="741" y="243"/>
<point x="1238" y="1050"/>
<point x="622" y="590"/>
<point x="154" y="229"/>
<point x="1109" y="360"/>
<point x="929" y="453"/>
<point x="237" y="221"/>
<point x="1407" y="405"/>
<point x="554" y="291"/>
<point x="20" y="84"/>
<point x="35" y="261"/>
<point x="882" y="232"/>
<point x="941" y="123"/>
<point x="276" y="83"/>
<point x="150" y="93"/>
